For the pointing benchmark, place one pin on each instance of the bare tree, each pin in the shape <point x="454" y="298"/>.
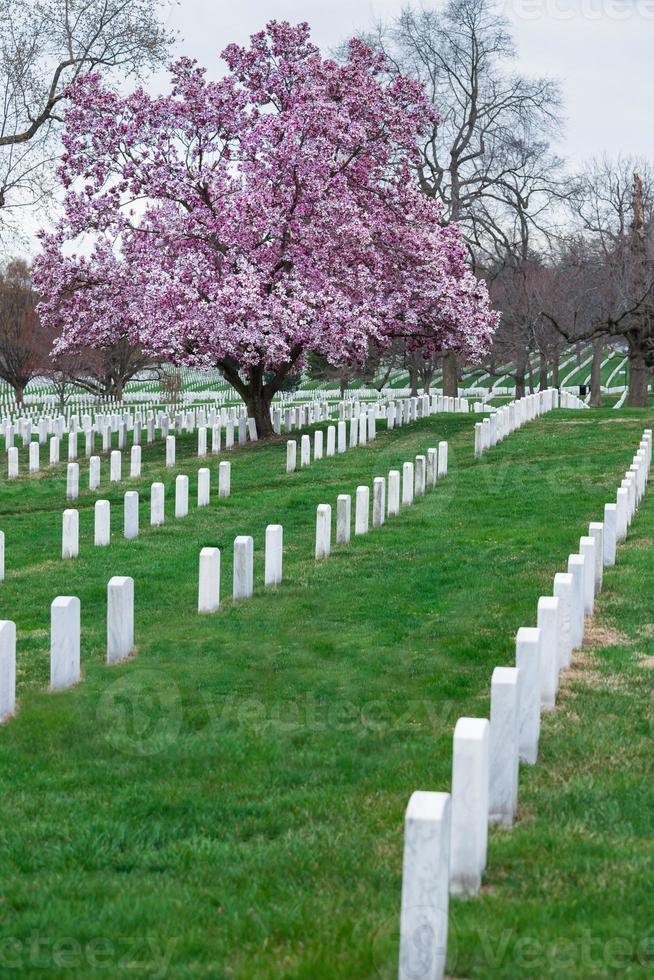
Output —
<point x="62" y="374"/>
<point x="171" y="385"/>
<point x="44" y="46"/>
<point x="374" y="372"/>
<point x="488" y="160"/>
<point x="607" y="268"/>
<point x="106" y="370"/>
<point x="514" y="288"/>
<point x="24" y="345"/>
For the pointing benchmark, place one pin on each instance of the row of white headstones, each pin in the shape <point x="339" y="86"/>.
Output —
<point x="416" y="478"/>
<point x="65" y="613"/>
<point x="131" y="517"/>
<point x="65" y="632"/>
<point x="238" y="426"/>
<point x="428" y="470"/>
<point x="116" y="462"/>
<point x="363" y="429"/>
<point x="131" y="522"/>
<point x="63" y="610"/>
<point x="361" y="422"/>
<point x="508" y="418"/>
<point x="445" y="834"/>
<point x="115" y="456"/>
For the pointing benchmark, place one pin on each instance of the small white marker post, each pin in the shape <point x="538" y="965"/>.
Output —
<point x="7" y="669"/>
<point x="209" y="580"/>
<point x="425" y="886"/>
<point x="274" y="555"/>
<point x="120" y="618"/>
<point x="64" y="642"/>
<point x="323" y="531"/>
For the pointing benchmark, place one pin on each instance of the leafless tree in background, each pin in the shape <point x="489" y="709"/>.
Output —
<point x="44" y="46"/>
<point x="606" y="271"/>
<point x="105" y="371"/>
<point x="171" y="385"/>
<point x="24" y="345"/>
<point x="489" y="161"/>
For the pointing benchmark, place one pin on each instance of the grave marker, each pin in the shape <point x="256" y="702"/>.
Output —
<point x="70" y="535"/>
<point x="7" y="669"/>
<point x="343" y="518"/>
<point x="181" y="496"/>
<point x="274" y="555"/>
<point x="362" y="510"/>
<point x="242" y="584"/>
<point x="425" y="887"/>
<point x="470" y="782"/>
<point x="102" y="529"/>
<point x="209" y="580"/>
<point x="64" y="642"/>
<point x="323" y="531"/>
<point x="527" y="660"/>
<point x="120" y="618"/>
<point x="503" y="746"/>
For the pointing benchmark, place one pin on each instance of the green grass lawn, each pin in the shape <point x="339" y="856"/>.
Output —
<point x="229" y="802"/>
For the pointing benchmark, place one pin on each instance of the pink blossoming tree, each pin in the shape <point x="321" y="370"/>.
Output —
<point x="244" y="222"/>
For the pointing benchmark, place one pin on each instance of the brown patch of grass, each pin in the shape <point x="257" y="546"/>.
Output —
<point x="583" y="670"/>
<point x="599" y="635"/>
<point x="44" y="566"/>
<point x="580" y="672"/>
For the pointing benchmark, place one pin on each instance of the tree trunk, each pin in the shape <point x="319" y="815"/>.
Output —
<point x="258" y="404"/>
<point x="450" y="375"/>
<point x="255" y="392"/>
<point x="119" y="389"/>
<point x="427" y="374"/>
<point x="413" y="381"/>
<point x="343" y="387"/>
<point x="520" y="373"/>
<point x="638" y="379"/>
<point x="555" y="369"/>
<point x="19" y="391"/>
<point x="596" y="375"/>
<point x="542" y="381"/>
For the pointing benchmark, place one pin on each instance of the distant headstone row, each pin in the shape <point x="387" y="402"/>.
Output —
<point x="415" y="479"/>
<point x="507" y="419"/>
<point x="237" y="427"/>
<point x="363" y="427"/>
<point x="445" y="834"/>
<point x="102" y="512"/>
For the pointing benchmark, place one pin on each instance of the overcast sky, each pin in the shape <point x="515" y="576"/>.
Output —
<point x="601" y="50"/>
